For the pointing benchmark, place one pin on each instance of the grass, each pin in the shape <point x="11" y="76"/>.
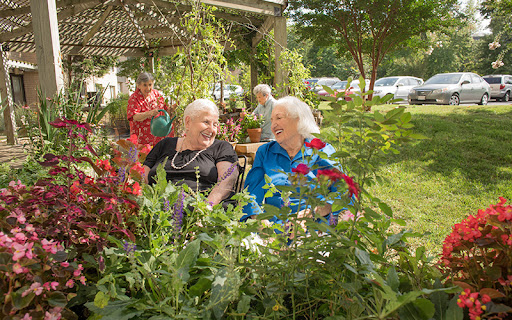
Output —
<point x="464" y="165"/>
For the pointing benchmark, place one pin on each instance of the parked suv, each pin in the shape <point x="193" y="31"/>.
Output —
<point x="501" y="86"/>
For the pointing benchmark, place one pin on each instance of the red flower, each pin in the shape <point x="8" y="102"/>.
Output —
<point x="315" y="143"/>
<point x="333" y="174"/>
<point x="353" y="188"/>
<point x="301" y="168"/>
<point x="133" y="139"/>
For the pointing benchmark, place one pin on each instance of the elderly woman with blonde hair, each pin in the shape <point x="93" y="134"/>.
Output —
<point x="293" y="126"/>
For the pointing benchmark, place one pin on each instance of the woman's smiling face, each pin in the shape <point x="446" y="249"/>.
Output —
<point x="201" y="129"/>
<point x="283" y="126"/>
<point x="146" y="87"/>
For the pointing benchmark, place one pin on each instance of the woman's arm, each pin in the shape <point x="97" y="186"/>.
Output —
<point x="227" y="174"/>
<point x="146" y="173"/>
<point x="145" y="115"/>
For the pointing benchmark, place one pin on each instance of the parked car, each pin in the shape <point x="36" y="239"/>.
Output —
<point x="311" y="83"/>
<point x="329" y="82"/>
<point x="398" y="87"/>
<point x="451" y="88"/>
<point x="501" y="86"/>
<point x="229" y="89"/>
<point x="342" y="86"/>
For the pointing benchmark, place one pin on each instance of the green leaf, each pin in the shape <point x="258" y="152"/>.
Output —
<point x="386" y="209"/>
<point x="20" y="302"/>
<point x="454" y="312"/>
<point x="101" y="299"/>
<point x="57" y="299"/>
<point x="392" y="279"/>
<point x="188" y="255"/>
<point x="244" y="304"/>
<point x="200" y="287"/>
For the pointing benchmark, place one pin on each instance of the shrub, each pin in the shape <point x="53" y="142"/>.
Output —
<point x="477" y="256"/>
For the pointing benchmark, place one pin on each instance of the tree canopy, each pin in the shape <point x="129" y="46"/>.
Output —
<point x="369" y="28"/>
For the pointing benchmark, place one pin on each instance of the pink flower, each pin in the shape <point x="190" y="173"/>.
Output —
<point x="301" y="169"/>
<point x="49" y="246"/>
<point x="82" y="280"/>
<point x="64" y="264"/>
<point x="78" y="271"/>
<point x="70" y="283"/>
<point x="27" y="317"/>
<point x="18" y="268"/>
<point x="19" y="251"/>
<point x="35" y="288"/>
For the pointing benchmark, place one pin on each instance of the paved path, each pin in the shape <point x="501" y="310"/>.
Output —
<point x="13" y="154"/>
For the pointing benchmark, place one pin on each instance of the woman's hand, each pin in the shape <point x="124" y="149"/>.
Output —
<point x="145" y="115"/>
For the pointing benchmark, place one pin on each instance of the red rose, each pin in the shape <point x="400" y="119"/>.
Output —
<point x="333" y="175"/>
<point x="301" y="168"/>
<point x="315" y="143"/>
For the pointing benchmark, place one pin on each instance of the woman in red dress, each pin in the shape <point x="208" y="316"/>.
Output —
<point x="142" y="106"/>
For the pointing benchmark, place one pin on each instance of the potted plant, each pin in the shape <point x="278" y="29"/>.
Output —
<point x="251" y="123"/>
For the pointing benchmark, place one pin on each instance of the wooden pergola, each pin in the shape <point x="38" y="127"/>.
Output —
<point x="53" y="29"/>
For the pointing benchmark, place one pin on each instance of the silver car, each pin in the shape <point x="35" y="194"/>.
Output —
<point x="451" y="88"/>
<point x="399" y="87"/>
<point x="501" y="86"/>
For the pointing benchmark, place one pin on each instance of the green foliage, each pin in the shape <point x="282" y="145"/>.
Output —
<point x="368" y="28"/>
<point x="117" y="108"/>
<point x="80" y="68"/>
<point x="45" y="138"/>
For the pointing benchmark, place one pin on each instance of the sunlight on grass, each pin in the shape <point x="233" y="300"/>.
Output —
<point x="464" y="166"/>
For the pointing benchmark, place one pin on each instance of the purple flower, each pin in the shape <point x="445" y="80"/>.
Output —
<point x="167" y="205"/>
<point x="132" y="154"/>
<point x="129" y="247"/>
<point x="178" y="213"/>
<point x="121" y="174"/>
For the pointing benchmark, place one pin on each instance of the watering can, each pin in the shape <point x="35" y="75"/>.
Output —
<point x="161" y="126"/>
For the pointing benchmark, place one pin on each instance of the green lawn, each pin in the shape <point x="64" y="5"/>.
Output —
<point x="464" y="166"/>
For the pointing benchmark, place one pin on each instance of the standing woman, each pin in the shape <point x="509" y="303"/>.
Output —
<point x="143" y="104"/>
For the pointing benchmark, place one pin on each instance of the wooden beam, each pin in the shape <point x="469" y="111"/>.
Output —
<point x="242" y="5"/>
<point x="280" y="42"/>
<point x="6" y="99"/>
<point x="64" y="14"/>
<point x="263" y="31"/>
<point x="96" y="26"/>
<point x="5" y="13"/>
<point x="46" y="37"/>
<point x="131" y="16"/>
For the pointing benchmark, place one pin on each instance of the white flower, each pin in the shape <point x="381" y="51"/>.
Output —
<point x="494" y="45"/>
<point x="496" y="64"/>
<point x="430" y="50"/>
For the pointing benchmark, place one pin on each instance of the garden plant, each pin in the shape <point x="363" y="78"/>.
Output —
<point x="90" y="241"/>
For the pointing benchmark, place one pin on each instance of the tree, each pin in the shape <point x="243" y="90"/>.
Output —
<point x="80" y="67"/>
<point x="370" y="28"/>
<point x="499" y="12"/>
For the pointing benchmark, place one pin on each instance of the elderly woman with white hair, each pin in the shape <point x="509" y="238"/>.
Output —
<point x="266" y="102"/>
<point x="143" y="105"/>
<point x="216" y="159"/>
<point x="293" y="126"/>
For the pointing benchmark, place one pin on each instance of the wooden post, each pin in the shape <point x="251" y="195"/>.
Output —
<point x="254" y="70"/>
<point x="46" y="37"/>
<point x="280" y="45"/>
<point x="6" y="99"/>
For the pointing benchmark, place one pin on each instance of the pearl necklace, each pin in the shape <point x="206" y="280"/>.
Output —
<point x="186" y="164"/>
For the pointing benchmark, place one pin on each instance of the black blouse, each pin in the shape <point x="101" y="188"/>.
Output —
<point x="206" y="161"/>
